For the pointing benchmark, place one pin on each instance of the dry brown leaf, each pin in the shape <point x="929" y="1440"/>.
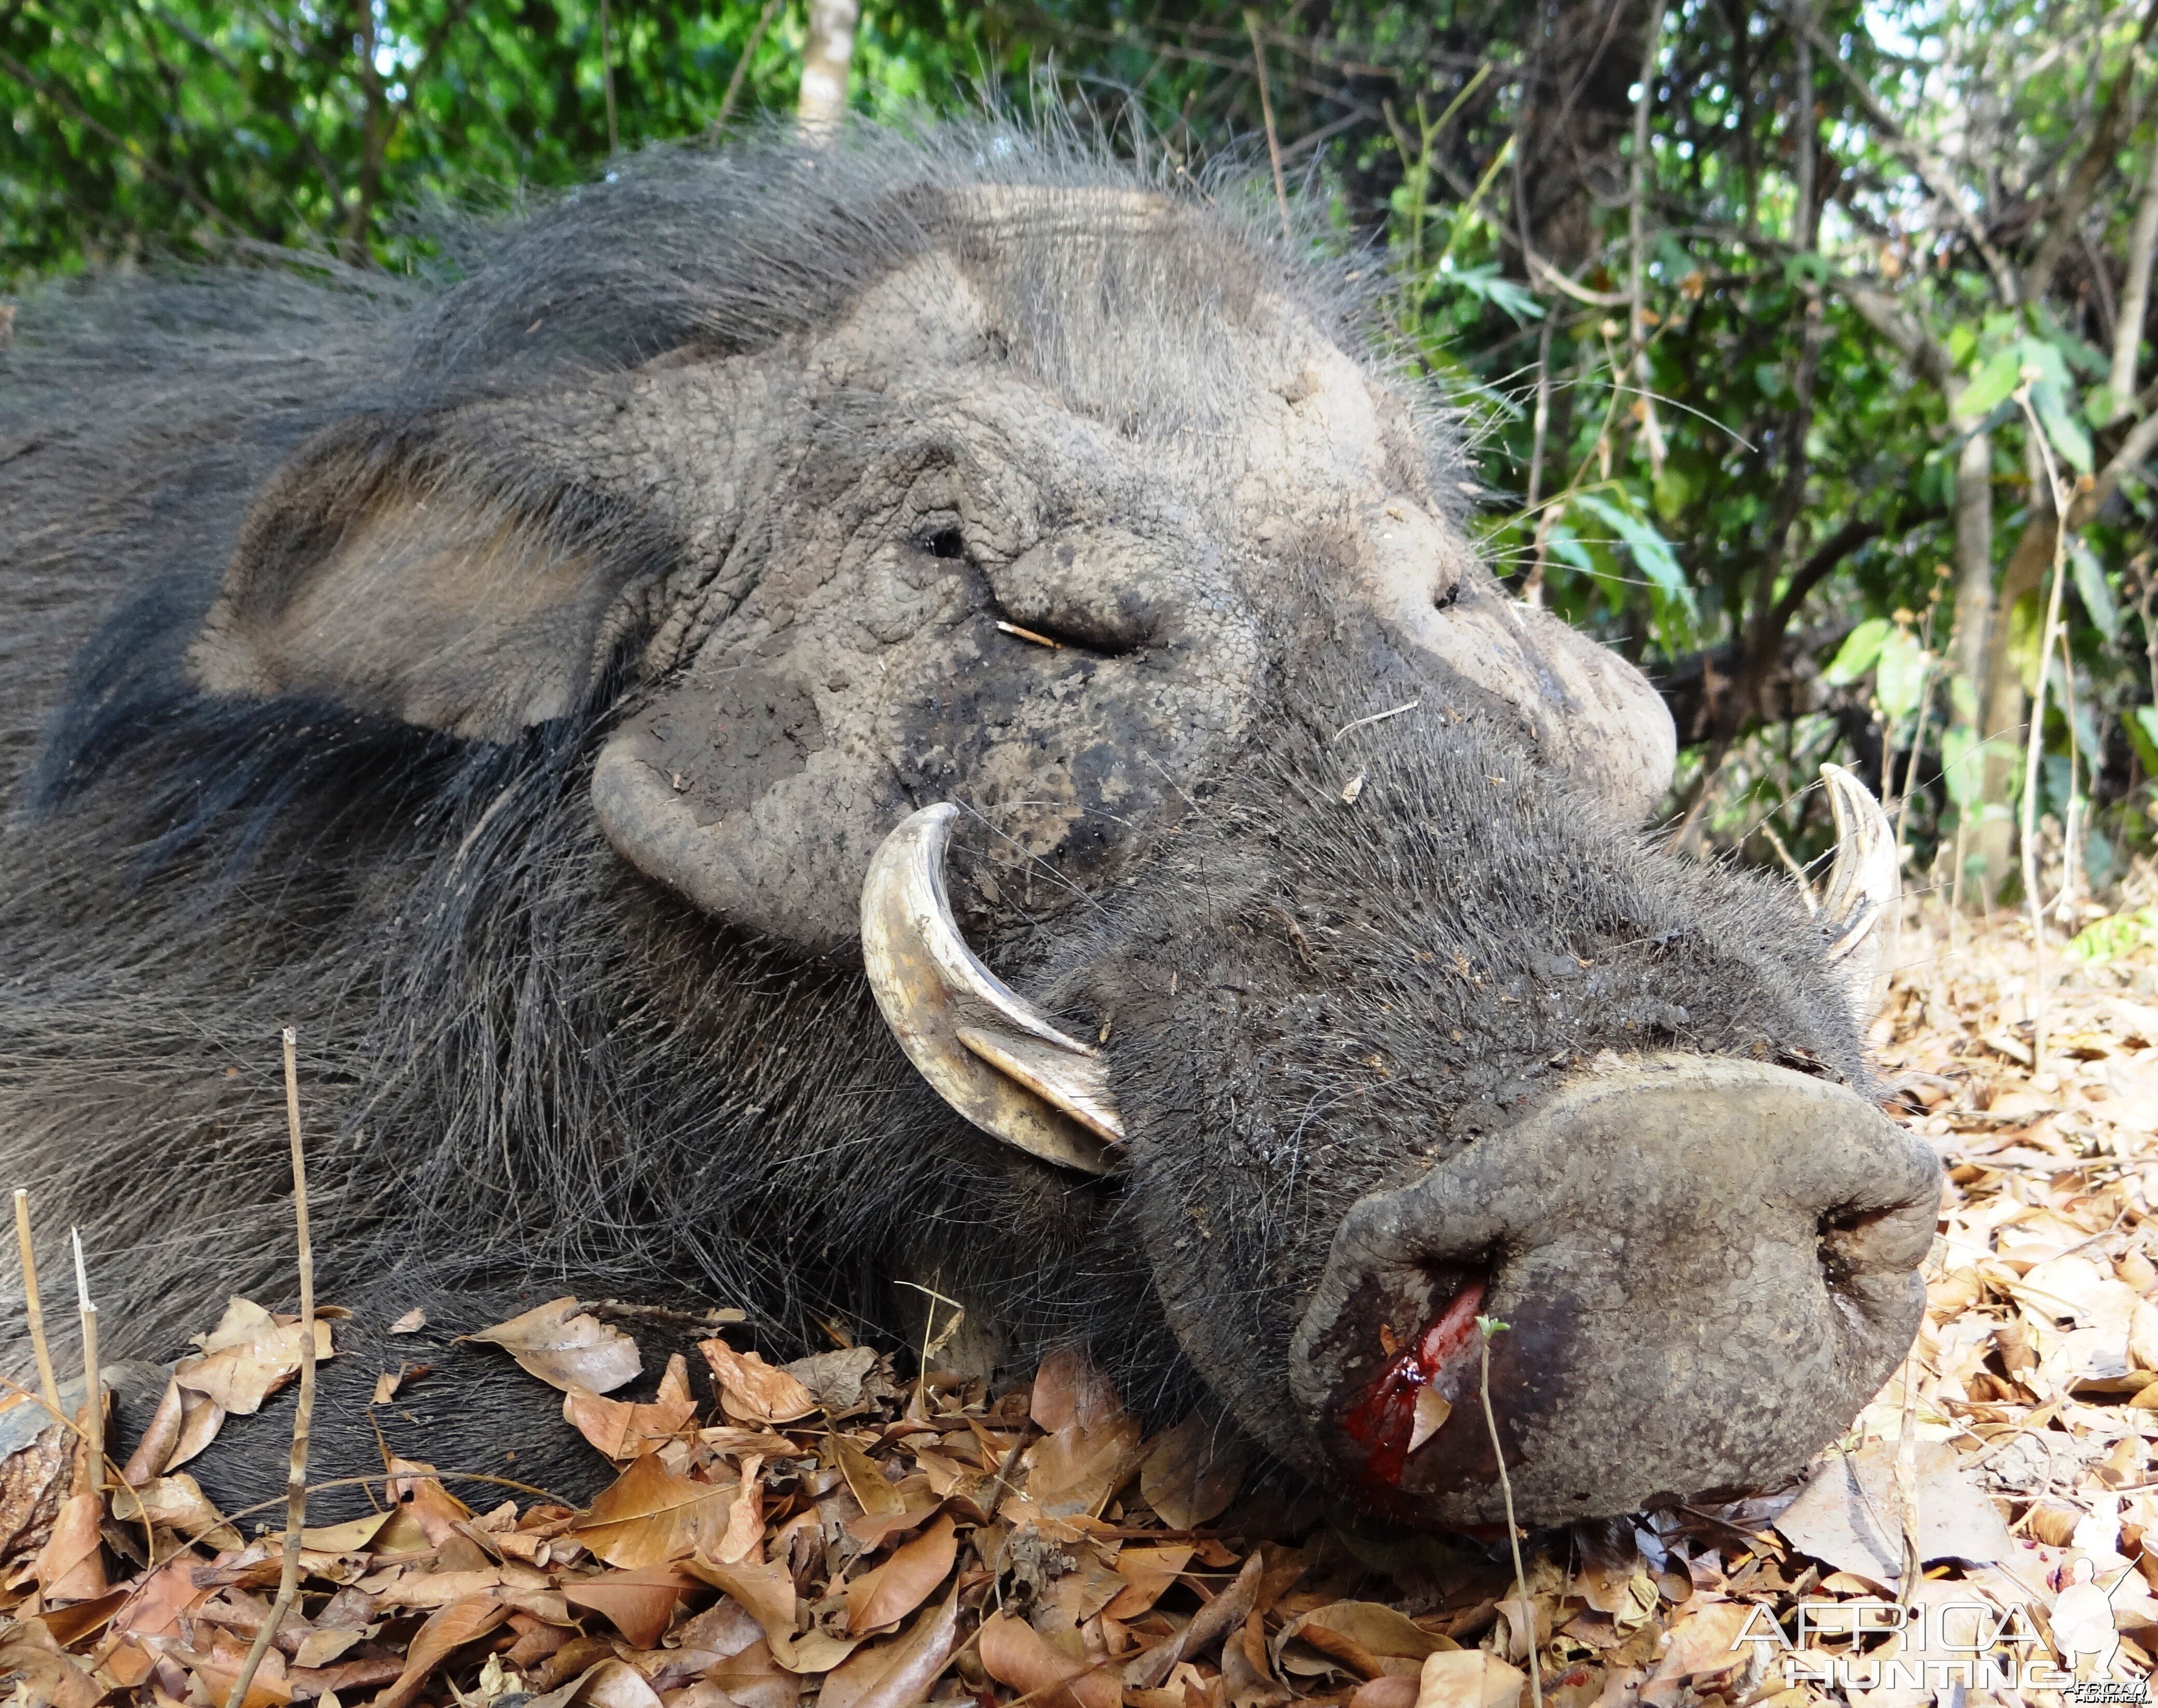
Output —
<point x="766" y="1591"/>
<point x="1077" y="1468"/>
<point x="71" y="1565"/>
<point x="638" y="1604"/>
<point x="440" y="1635"/>
<point x="153" y="1448"/>
<point x="1068" y="1390"/>
<point x="1147" y="1573"/>
<point x="177" y="1502"/>
<point x="567" y="1350"/>
<point x="1369" y="1636"/>
<point x="1191" y="1474"/>
<point x="44" y="1676"/>
<point x="622" y="1429"/>
<point x="1469" y="1678"/>
<point x="420" y="1499"/>
<point x="751" y="1390"/>
<point x="606" y="1684"/>
<point x="754" y="1679"/>
<point x="350" y="1537"/>
<point x="744" y="1536"/>
<point x="899" y="1673"/>
<point x="201" y="1418"/>
<point x="890" y="1591"/>
<point x="411" y="1323"/>
<point x="1014" y="1652"/>
<point x="649" y="1515"/>
<point x="1704" y="1640"/>
<point x="869" y="1485"/>
<point x="834" y="1378"/>
<point x="318" y="1649"/>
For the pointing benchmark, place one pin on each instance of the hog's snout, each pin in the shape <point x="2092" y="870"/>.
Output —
<point x="1707" y="1267"/>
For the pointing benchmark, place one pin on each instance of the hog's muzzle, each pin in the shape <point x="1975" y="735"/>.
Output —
<point x="1706" y="1268"/>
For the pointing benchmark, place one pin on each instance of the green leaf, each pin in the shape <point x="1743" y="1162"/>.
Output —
<point x="2143" y="736"/>
<point x="2109" y="939"/>
<point x="1960" y="766"/>
<point x="2093" y="590"/>
<point x="1652" y="552"/>
<point x="1855" y="656"/>
<point x="1901" y="673"/>
<point x="2001" y="374"/>
<point x="2069" y="439"/>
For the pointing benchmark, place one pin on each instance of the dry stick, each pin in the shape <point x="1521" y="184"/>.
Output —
<point x="296" y="1485"/>
<point x="741" y="68"/>
<point x="93" y="1389"/>
<point x="2034" y="741"/>
<point x="35" y="1310"/>
<point x="1488" y="1327"/>
<point x="1266" y="114"/>
<point x="606" y="77"/>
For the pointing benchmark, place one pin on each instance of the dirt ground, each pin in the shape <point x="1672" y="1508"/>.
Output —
<point x="829" y="1532"/>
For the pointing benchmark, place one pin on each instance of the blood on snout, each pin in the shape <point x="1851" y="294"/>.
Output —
<point x="1383" y="1422"/>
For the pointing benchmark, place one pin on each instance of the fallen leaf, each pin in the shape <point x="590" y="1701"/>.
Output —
<point x="751" y="1390"/>
<point x="834" y="1378"/>
<point x="1068" y="1389"/>
<point x="890" y="1591"/>
<point x="1704" y="1640"/>
<point x="1191" y="1474"/>
<point x="71" y="1565"/>
<point x="606" y="1684"/>
<point x="1014" y="1652"/>
<point x="153" y="1450"/>
<point x="1211" y="1623"/>
<point x="901" y="1672"/>
<point x="246" y="1358"/>
<point x="1147" y="1573"/>
<point x="1848" y="1514"/>
<point x="754" y="1679"/>
<point x="639" y="1604"/>
<point x="411" y="1323"/>
<point x="649" y="1515"/>
<point x="868" y="1484"/>
<point x="442" y="1633"/>
<point x="566" y="1350"/>
<point x="350" y="1537"/>
<point x="622" y="1429"/>
<point x="1369" y="1636"/>
<point x="1079" y="1467"/>
<point x="1468" y="1678"/>
<point x="766" y="1591"/>
<point x="44" y="1676"/>
<point x="319" y="1648"/>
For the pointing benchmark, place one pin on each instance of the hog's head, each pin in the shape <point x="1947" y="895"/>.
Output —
<point x="1067" y="514"/>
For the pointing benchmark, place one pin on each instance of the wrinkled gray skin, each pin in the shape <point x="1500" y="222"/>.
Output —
<point x="509" y="684"/>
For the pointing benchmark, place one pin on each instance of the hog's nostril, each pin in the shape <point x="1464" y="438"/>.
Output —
<point x="1846" y="1238"/>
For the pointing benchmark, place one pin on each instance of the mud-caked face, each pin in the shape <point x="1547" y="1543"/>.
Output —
<point x="1035" y="572"/>
<point x="1079" y="518"/>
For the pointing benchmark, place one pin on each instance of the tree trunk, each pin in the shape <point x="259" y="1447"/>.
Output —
<point x="824" y="63"/>
<point x="2006" y="705"/>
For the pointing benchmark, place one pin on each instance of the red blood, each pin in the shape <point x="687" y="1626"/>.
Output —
<point x="1384" y="1421"/>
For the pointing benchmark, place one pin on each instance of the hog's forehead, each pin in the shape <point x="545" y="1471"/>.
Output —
<point x="1232" y="406"/>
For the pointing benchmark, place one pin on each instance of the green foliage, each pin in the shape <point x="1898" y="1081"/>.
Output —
<point x="1762" y="452"/>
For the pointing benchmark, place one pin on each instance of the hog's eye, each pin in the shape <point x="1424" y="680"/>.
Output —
<point x="945" y="542"/>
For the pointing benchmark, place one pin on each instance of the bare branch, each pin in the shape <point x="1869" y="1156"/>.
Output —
<point x="741" y="67"/>
<point x="2135" y="299"/>
<point x="1929" y="165"/>
<point x="2083" y="183"/>
<point x="127" y="146"/>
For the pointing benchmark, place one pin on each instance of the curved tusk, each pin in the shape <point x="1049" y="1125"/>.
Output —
<point x="1863" y="884"/>
<point x="986" y="1050"/>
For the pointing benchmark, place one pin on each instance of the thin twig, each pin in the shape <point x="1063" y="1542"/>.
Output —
<point x="46" y="1384"/>
<point x="606" y="77"/>
<point x="1376" y="718"/>
<point x="741" y="68"/>
<point x="1266" y="116"/>
<point x="296" y="1486"/>
<point x="93" y="1388"/>
<point x="1488" y="1327"/>
<point x="2034" y="741"/>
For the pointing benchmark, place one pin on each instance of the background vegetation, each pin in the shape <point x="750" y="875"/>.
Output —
<point x="1808" y="342"/>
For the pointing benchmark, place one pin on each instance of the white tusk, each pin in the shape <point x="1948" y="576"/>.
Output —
<point x="986" y="1051"/>
<point x="1863" y="884"/>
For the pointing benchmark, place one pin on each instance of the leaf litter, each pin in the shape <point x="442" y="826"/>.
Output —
<point x="834" y="1531"/>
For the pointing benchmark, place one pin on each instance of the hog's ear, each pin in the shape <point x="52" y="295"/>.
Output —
<point x="393" y="571"/>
